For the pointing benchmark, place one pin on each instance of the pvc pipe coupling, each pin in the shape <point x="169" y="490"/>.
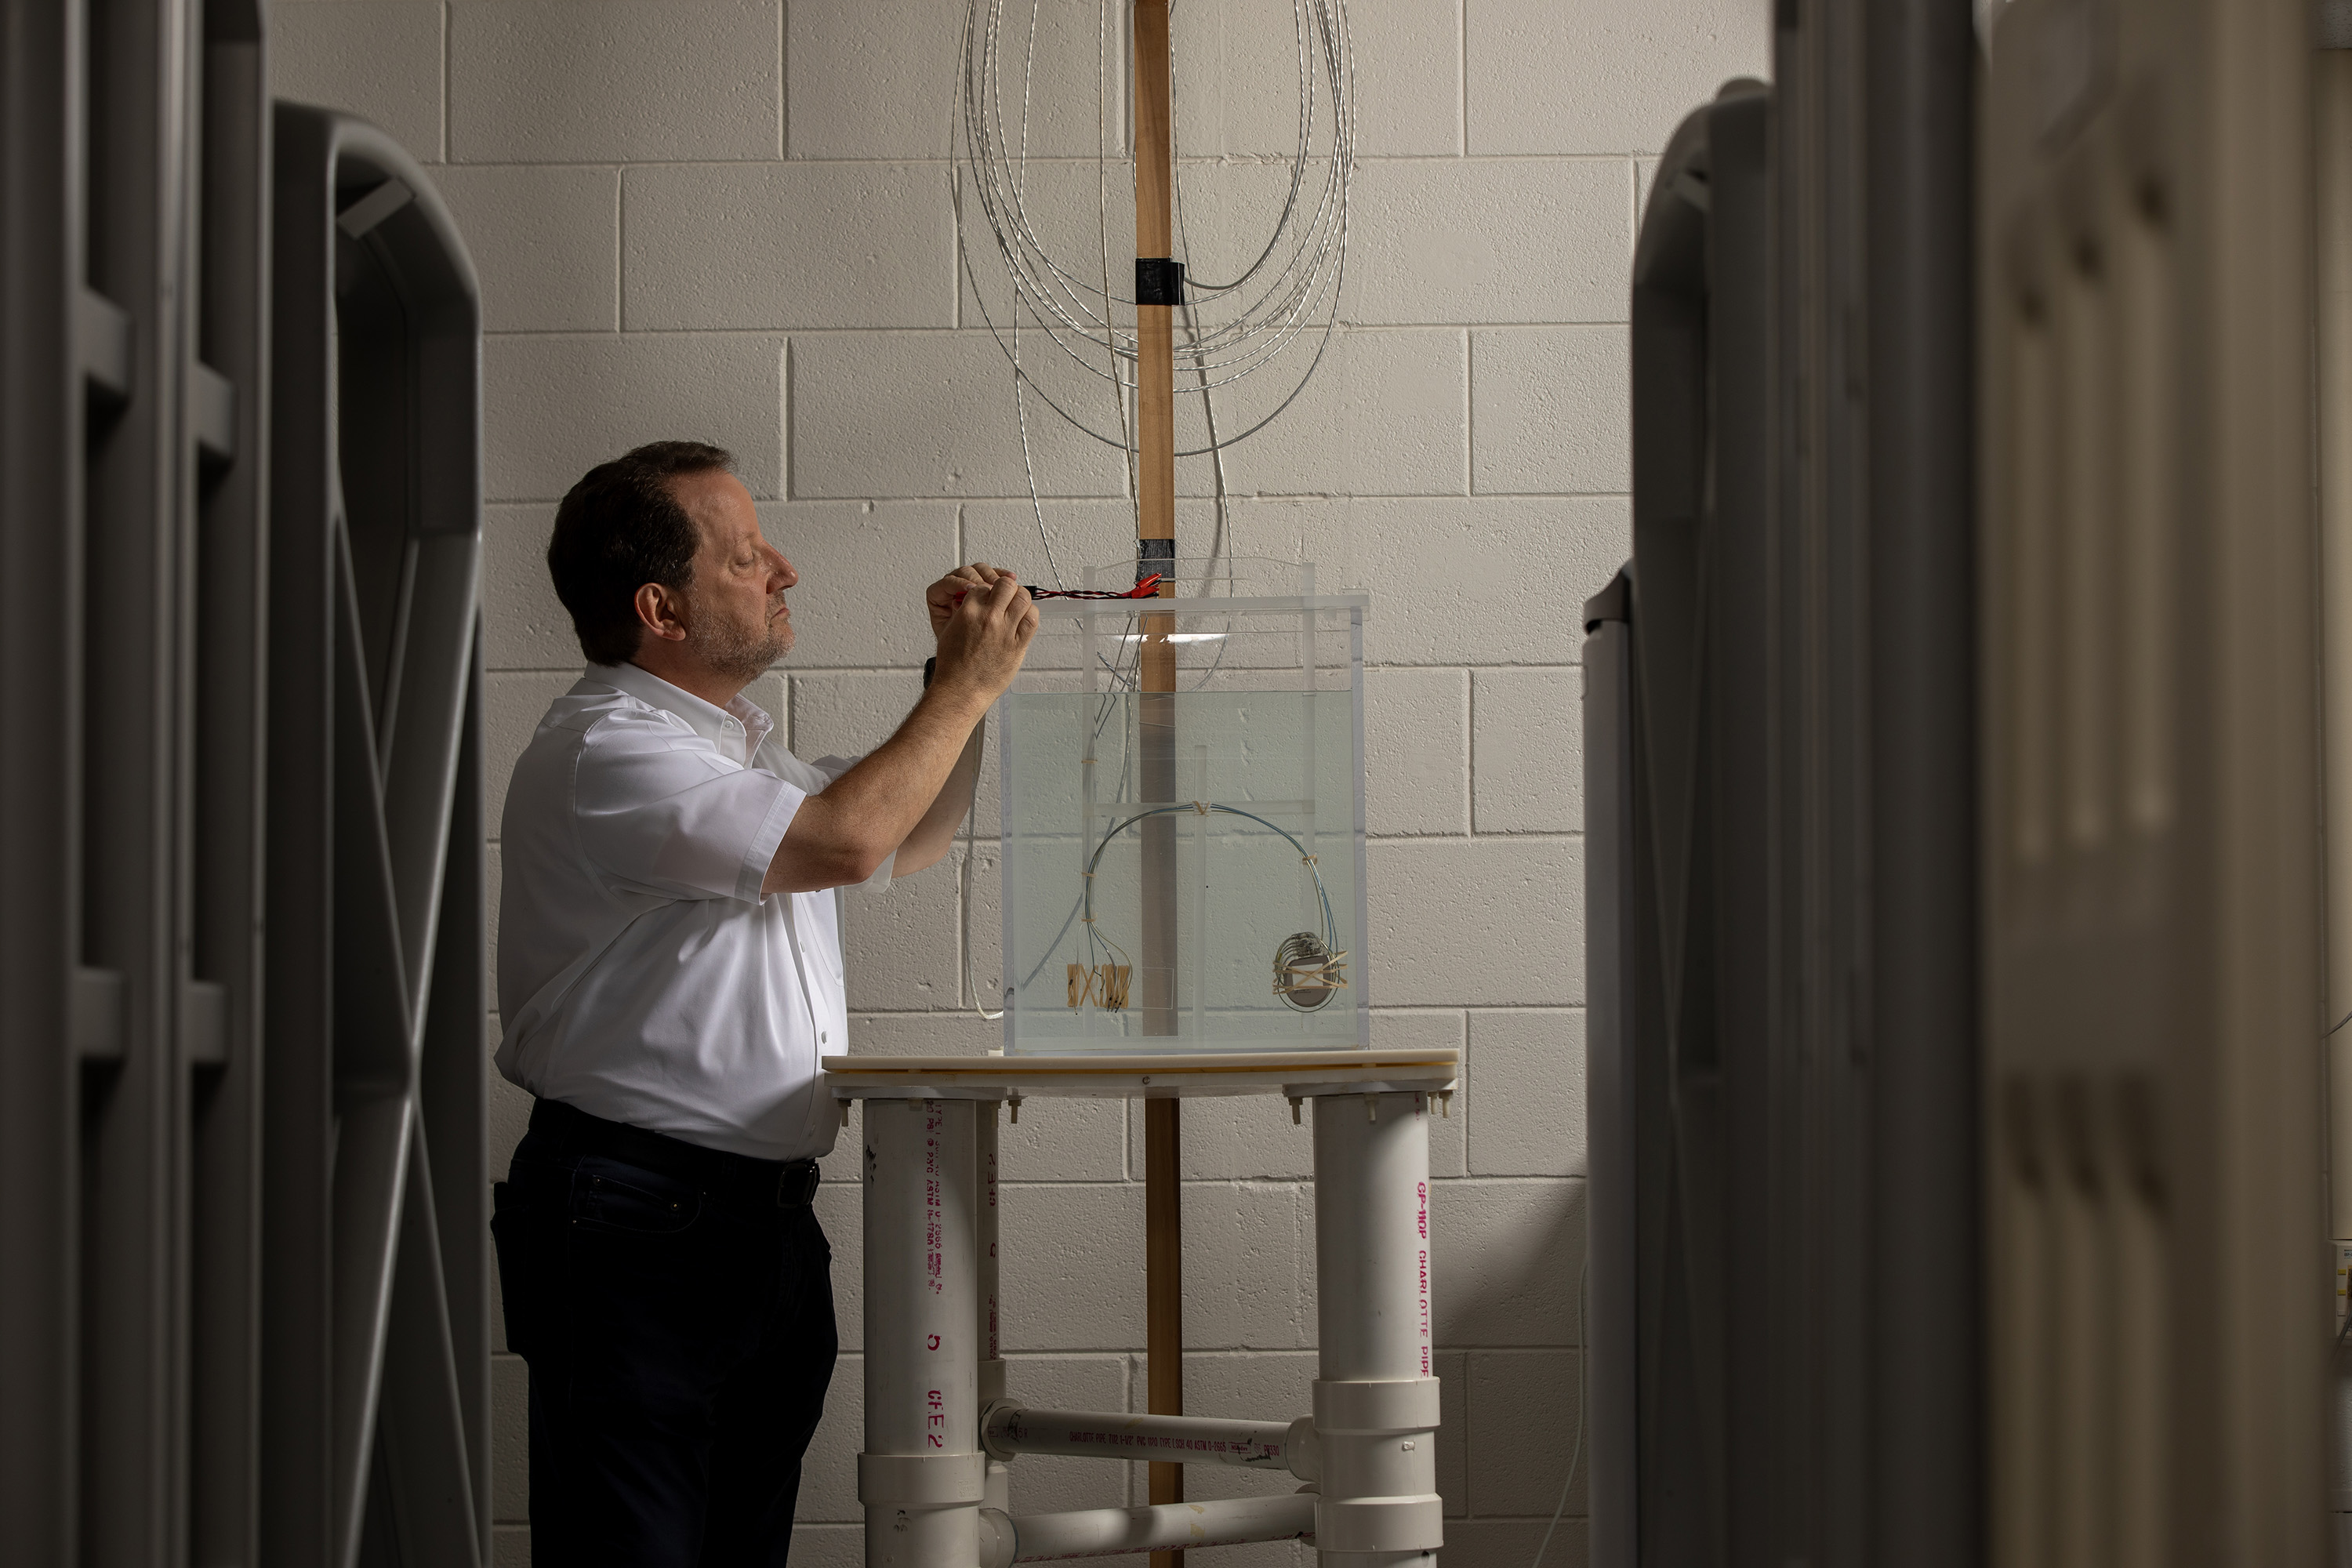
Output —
<point x="920" y="1481"/>
<point x="1379" y="1461"/>
<point x="922" y="1510"/>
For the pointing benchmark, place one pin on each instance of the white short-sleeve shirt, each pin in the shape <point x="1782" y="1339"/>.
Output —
<point x="642" y="976"/>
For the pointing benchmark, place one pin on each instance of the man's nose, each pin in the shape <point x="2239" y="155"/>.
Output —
<point x="785" y="576"/>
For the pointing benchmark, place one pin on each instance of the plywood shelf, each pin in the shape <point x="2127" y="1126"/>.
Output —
<point x="1109" y="1075"/>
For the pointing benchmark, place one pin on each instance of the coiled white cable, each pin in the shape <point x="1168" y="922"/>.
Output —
<point x="1288" y="295"/>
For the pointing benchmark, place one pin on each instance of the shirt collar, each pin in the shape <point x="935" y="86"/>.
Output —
<point x="737" y="730"/>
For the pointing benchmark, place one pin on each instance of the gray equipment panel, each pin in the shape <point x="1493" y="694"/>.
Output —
<point x="1675" y="665"/>
<point x="376" y="1271"/>
<point x="133" y="465"/>
<point x="1781" y="765"/>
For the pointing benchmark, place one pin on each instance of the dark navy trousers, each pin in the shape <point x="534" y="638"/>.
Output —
<point x="677" y="1313"/>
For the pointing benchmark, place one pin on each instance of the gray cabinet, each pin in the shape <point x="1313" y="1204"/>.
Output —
<point x="243" y="1259"/>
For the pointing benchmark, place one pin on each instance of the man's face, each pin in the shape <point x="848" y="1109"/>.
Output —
<point x="736" y="622"/>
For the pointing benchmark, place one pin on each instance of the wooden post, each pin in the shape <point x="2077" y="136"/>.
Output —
<point x="1155" y="407"/>
<point x="1155" y="325"/>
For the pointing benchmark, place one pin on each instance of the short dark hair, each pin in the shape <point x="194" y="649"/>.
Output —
<point x="619" y="529"/>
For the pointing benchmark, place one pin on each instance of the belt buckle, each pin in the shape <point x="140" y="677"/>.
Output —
<point x="796" y="1185"/>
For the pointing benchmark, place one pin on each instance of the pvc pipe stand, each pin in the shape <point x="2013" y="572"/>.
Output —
<point x="1376" y="1399"/>
<point x="939" y="1429"/>
<point x="923" y="1477"/>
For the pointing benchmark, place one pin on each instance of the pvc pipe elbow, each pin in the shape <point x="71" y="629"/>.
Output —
<point x="1302" y="1450"/>
<point x="996" y="1539"/>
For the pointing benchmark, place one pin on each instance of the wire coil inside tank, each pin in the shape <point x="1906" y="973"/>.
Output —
<point x="1306" y="972"/>
<point x="1308" y="968"/>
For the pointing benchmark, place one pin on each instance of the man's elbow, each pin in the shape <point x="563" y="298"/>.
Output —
<point x="854" y="857"/>
<point x="860" y="862"/>
<point x="811" y="862"/>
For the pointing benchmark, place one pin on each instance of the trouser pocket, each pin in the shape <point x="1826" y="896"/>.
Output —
<point x="524" y="1258"/>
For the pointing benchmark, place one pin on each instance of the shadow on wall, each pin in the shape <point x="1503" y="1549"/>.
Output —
<point x="1507" y="1258"/>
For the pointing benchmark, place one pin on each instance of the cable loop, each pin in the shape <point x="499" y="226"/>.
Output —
<point x="1289" y="292"/>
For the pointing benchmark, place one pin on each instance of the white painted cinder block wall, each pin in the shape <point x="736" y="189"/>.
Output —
<point x="726" y="219"/>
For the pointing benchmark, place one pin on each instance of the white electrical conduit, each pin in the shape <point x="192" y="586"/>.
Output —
<point x="1163" y="1527"/>
<point x="1008" y="1428"/>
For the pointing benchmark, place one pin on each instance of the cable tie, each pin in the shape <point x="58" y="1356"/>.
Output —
<point x="1200" y="810"/>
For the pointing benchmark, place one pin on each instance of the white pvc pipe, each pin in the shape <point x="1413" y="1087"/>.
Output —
<point x="1376" y="1398"/>
<point x="984" y="1243"/>
<point x="1008" y="1429"/>
<point x="998" y="1484"/>
<point x="1372" y="1236"/>
<point x="1162" y="1527"/>
<point x="920" y="1477"/>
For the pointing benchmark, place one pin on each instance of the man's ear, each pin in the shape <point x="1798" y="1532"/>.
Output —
<point x="659" y="611"/>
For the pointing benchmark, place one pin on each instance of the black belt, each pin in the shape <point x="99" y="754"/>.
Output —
<point x="733" y="1178"/>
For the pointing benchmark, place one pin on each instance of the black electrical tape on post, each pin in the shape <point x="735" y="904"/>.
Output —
<point x="1159" y="281"/>
<point x="1148" y="550"/>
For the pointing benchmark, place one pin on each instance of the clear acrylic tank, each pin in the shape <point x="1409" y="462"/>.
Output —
<point x="1184" y="869"/>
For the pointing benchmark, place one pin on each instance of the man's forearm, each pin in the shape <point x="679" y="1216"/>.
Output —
<point x="838" y="838"/>
<point x="935" y="834"/>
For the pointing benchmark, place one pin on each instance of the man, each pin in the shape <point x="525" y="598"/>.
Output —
<point x="669" y="972"/>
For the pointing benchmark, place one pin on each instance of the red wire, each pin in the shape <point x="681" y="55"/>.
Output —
<point x="1143" y="590"/>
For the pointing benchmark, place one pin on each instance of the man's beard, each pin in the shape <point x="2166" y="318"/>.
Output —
<point x="730" y="651"/>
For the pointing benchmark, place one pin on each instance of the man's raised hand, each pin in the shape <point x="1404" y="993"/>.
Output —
<point x="984" y="639"/>
<point x="940" y="597"/>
